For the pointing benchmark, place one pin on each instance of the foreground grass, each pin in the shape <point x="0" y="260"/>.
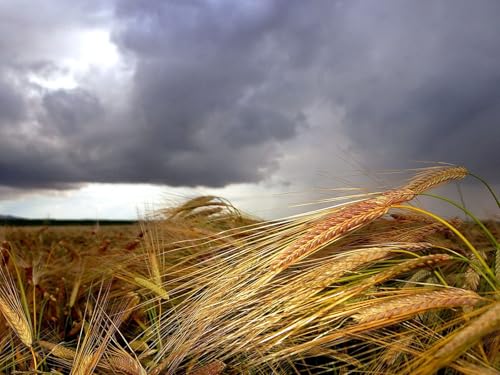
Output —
<point x="375" y="285"/>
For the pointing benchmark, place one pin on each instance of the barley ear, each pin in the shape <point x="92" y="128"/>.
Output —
<point x="213" y="368"/>
<point x="433" y="177"/>
<point x="461" y="341"/>
<point x="152" y="286"/>
<point x="12" y="309"/>
<point x="405" y="307"/>
<point x="340" y="223"/>
<point x="58" y="350"/>
<point x="17" y="321"/>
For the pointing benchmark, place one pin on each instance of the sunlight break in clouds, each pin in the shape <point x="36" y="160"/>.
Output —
<point x="93" y="49"/>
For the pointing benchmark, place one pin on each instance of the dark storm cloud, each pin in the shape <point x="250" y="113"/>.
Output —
<point x="219" y="87"/>
<point x="12" y="106"/>
<point x="427" y="86"/>
<point x="68" y="111"/>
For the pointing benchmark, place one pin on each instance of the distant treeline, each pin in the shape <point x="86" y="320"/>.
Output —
<point x="16" y="222"/>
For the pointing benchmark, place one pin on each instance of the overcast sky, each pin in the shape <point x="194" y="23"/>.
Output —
<point x="107" y="106"/>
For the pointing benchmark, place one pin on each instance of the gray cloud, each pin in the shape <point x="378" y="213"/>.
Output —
<point x="428" y="87"/>
<point x="12" y="105"/>
<point x="68" y="111"/>
<point x="219" y="90"/>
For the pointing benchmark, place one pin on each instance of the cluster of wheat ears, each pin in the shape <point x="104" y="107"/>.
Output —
<point x="374" y="286"/>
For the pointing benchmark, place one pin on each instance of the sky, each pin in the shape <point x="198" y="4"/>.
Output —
<point x="109" y="108"/>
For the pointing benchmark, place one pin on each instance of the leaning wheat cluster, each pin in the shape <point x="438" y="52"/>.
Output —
<point x="376" y="286"/>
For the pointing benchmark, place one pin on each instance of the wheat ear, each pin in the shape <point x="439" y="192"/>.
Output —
<point x="153" y="287"/>
<point x="123" y="363"/>
<point x="342" y="221"/>
<point x="464" y="339"/>
<point x="497" y="263"/>
<point x="86" y="364"/>
<point x="325" y="274"/>
<point x="403" y="307"/>
<point x="213" y="368"/>
<point x="12" y="309"/>
<point x="409" y="265"/>
<point x="58" y="350"/>
<point x="432" y="177"/>
<point x="467" y="368"/>
<point x="17" y="321"/>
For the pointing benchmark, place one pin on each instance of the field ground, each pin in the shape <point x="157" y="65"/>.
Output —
<point x="375" y="286"/>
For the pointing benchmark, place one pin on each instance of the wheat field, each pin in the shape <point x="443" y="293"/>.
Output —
<point x="375" y="285"/>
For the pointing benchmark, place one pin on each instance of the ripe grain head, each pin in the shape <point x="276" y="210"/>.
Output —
<point x="338" y="224"/>
<point x="404" y="307"/>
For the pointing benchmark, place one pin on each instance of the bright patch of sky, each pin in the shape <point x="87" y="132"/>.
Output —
<point x="92" y="49"/>
<point x="131" y="201"/>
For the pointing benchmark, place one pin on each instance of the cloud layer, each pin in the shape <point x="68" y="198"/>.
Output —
<point x="209" y="93"/>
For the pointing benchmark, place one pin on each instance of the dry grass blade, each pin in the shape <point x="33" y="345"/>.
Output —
<point x="402" y="307"/>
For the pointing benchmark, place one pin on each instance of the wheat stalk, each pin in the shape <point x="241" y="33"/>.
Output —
<point x="342" y="221"/>
<point x="412" y="305"/>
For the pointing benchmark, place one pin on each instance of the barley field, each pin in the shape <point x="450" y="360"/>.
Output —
<point x="374" y="285"/>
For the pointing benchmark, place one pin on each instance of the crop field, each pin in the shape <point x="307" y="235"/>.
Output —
<point x="372" y="285"/>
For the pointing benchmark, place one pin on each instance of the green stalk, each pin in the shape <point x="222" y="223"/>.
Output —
<point x="459" y="235"/>
<point x="471" y="215"/>
<point x="487" y="187"/>
<point x="40" y="316"/>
